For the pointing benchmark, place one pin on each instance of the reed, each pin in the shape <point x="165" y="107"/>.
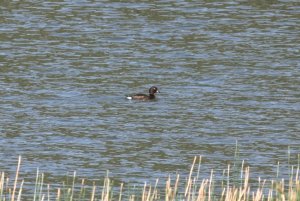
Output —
<point x="191" y="188"/>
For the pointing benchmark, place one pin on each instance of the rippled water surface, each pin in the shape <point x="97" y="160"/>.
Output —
<point x="227" y="71"/>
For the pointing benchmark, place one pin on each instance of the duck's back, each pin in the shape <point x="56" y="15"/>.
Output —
<point x="139" y="97"/>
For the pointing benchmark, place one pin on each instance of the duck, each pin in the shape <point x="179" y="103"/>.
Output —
<point x="144" y="97"/>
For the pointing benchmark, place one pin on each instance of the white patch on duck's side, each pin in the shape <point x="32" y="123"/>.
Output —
<point x="129" y="97"/>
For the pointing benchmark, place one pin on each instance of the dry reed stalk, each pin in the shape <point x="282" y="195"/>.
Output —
<point x="73" y="185"/>
<point x="282" y="190"/>
<point x="209" y="186"/>
<point x="2" y="180"/>
<point x="189" y="192"/>
<point x="103" y="191"/>
<point x="170" y="192"/>
<point x="294" y="187"/>
<point x="16" y="179"/>
<point x="20" y="191"/>
<point x="9" y="193"/>
<point x="202" y="190"/>
<point x="228" y="177"/>
<point x="93" y="192"/>
<point x="189" y="179"/>
<point x="36" y="181"/>
<point x="223" y="194"/>
<point x="232" y="194"/>
<point x="146" y="194"/>
<point x="258" y="195"/>
<point x="167" y="188"/>
<point x="240" y="193"/>
<point x="290" y="189"/>
<point x="106" y="189"/>
<point x="81" y="192"/>
<point x="244" y="190"/>
<point x="120" y="194"/>
<point x="143" y="193"/>
<point x="242" y="169"/>
<point x="131" y="198"/>
<point x="41" y="184"/>
<point x="58" y="194"/>
<point x="149" y="193"/>
<point x="193" y="189"/>
<point x="248" y="194"/>
<point x="69" y="193"/>
<point x="48" y="192"/>
<point x="227" y="194"/>
<point x="270" y="195"/>
<point x="199" y="166"/>
<point x="154" y="194"/>
<point x="175" y="187"/>
<point x="297" y="183"/>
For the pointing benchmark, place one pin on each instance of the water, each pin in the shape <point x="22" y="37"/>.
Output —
<point x="227" y="71"/>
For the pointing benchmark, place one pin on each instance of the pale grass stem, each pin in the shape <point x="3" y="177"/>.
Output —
<point x="209" y="187"/>
<point x="20" y="191"/>
<point x="199" y="166"/>
<point x="189" y="182"/>
<point x="154" y="194"/>
<point x="146" y="193"/>
<point x="202" y="191"/>
<point x="36" y="182"/>
<point x="93" y="192"/>
<point x="58" y="194"/>
<point x="168" y="188"/>
<point x="105" y="195"/>
<point x="170" y="192"/>
<point x="175" y="187"/>
<point x="73" y="185"/>
<point x="16" y="179"/>
<point x="48" y="192"/>
<point x="120" y="194"/>
<point x="2" y="181"/>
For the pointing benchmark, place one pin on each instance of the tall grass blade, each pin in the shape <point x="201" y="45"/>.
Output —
<point x="16" y="179"/>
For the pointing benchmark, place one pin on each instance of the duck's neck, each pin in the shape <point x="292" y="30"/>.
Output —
<point x="151" y="96"/>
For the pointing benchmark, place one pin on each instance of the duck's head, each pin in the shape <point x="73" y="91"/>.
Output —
<point x="153" y="90"/>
